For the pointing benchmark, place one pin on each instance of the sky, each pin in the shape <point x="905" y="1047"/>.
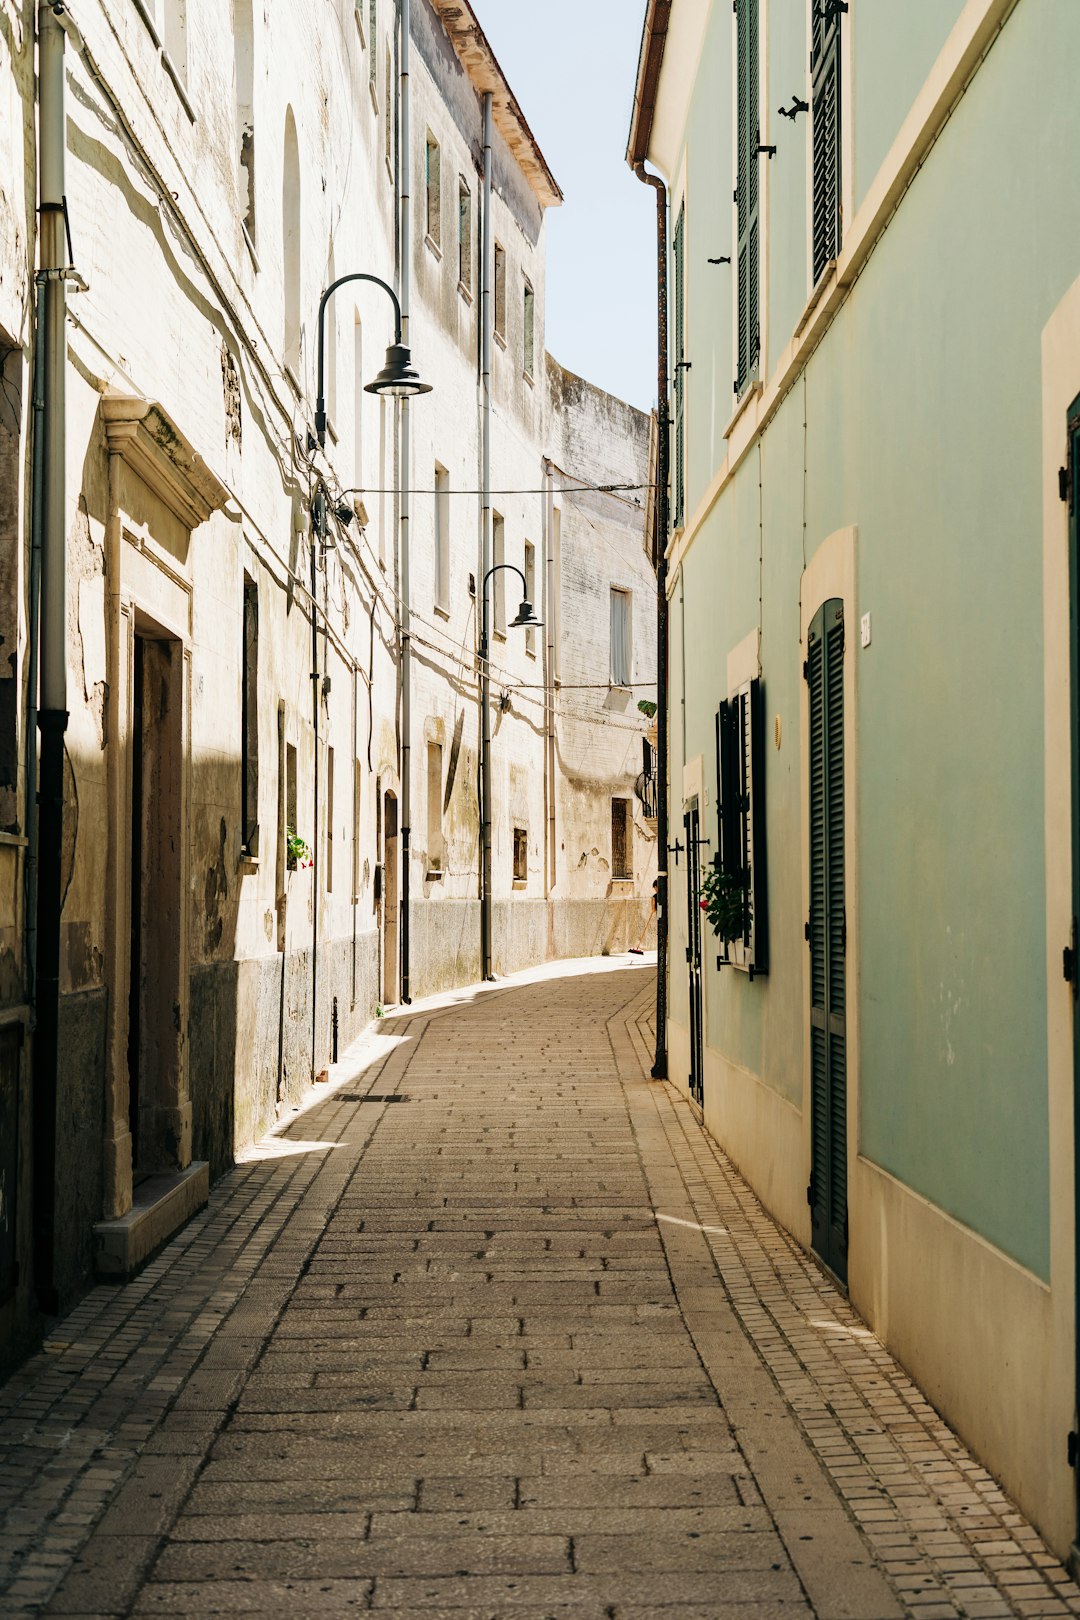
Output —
<point x="572" y="64"/>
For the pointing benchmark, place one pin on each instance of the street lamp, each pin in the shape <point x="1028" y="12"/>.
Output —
<point x="398" y="376"/>
<point x="525" y="620"/>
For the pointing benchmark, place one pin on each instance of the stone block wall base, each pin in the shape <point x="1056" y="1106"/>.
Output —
<point x="161" y="1205"/>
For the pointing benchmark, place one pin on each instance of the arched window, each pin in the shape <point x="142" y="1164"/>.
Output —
<point x="290" y="244"/>
<point x="244" y="94"/>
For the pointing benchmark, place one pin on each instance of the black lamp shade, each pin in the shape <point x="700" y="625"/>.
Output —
<point x="526" y="618"/>
<point x="398" y="376"/>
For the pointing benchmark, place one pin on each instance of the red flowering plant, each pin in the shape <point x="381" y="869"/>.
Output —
<point x="726" y="904"/>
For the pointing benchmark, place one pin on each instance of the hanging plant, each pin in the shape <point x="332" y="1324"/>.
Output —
<point x="297" y="851"/>
<point x="726" y="904"/>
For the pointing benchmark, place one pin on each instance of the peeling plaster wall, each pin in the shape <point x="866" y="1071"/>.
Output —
<point x="185" y="309"/>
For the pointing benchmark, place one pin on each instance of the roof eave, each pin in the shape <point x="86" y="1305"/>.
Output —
<point x="650" y="62"/>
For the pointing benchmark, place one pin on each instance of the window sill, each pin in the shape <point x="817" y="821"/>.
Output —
<point x="359" y="28"/>
<point x="500" y="635"/>
<point x="332" y="430"/>
<point x="433" y="246"/>
<point x="530" y="652"/>
<point x="751" y="392"/>
<point x="622" y="877"/>
<point x="293" y="381"/>
<point x="500" y="340"/>
<point x="519" y="884"/>
<point x="248" y="863"/>
<point x="374" y="97"/>
<point x="434" y="877"/>
<point x="463" y="289"/>
<point x="528" y="376"/>
<point x="821" y="287"/>
<point x="142" y="9"/>
<point x="443" y="613"/>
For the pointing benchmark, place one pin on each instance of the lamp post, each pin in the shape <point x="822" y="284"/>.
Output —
<point x="398" y="376"/>
<point x="526" y="619"/>
<point x="400" y="379"/>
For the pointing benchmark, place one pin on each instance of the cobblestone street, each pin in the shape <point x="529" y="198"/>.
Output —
<point x="493" y="1328"/>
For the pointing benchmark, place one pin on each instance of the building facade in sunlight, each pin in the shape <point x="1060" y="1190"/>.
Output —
<point x="875" y="345"/>
<point x="244" y="607"/>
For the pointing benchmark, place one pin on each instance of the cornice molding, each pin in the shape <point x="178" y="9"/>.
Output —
<point x="146" y="438"/>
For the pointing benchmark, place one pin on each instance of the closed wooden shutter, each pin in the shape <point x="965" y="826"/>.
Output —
<point x="827" y="936"/>
<point x="679" y="504"/>
<point x="825" y="92"/>
<point x="740" y="798"/>
<point x="747" y="192"/>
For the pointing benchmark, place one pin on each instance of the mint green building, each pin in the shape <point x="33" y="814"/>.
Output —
<point x="874" y="269"/>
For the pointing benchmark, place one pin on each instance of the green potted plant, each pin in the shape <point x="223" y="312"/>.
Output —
<point x="726" y="904"/>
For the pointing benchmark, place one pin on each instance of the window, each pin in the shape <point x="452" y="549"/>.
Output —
<point x="356" y="802"/>
<point x="435" y="851"/>
<point x="358" y="402"/>
<point x="500" y="292"/>
<point x="290" y="803"/>
<point x="740" y="798"/>
<point x="388" y="114"/>
<point x="825" y="117"/>
<point x="433" y="190"/>
<point x="521" y="855"/>
<point x="249" y="721"/>
<point x="621" y="644"/>
<point x="290" y="242"/>
<point x="530" y="593"/>
<point x="530" y="335"/>
<point x="329" y="820"/>
<point x="747" y="193"/>
<point x="464" y="236"/>
<point x="373" y="18"/>
<point x="678" y="505"/>
<point x="622" y="858"/>
<point x="555" y="606"/>
<point x="498" y="581"/>
<point x="244" y="92"/>
<point x="442" y="538"/>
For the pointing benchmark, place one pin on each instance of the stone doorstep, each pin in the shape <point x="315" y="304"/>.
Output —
<point x="161" y="1205"/>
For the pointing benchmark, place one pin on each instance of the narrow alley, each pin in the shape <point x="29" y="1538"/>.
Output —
<point x="494" y="1328"/>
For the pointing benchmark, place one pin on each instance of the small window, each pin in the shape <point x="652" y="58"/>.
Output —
<point x="329" y="820"/>
<point x="530" y="593"/>
<point x="621" y="647"/>
<point x="500" y="292"/>
<point x="435" y="849"/>
<point x="498" y="580"/>
<point x="372" y="24"/>
<point x="740" y="797"/>
<point x="748" y="195"/>
<point x="249" y="733"/>
<point x="678" y="474"/>
<point x="433" y="190"/>
<point x="464" y="236"/>
<point x="388" y="113"/>
<point x="530" y="335"/>
<point x="290" y="806"/>
<point x="622" y="861"/>
<point x="357" y="799"/>
<point x="174" y="35"/>
<point x="442" y="538"/>
<point x="521" y="855"/>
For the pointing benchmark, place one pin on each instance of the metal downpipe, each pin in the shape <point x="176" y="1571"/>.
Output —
<point x="660" y="1063"/>
<point x="52" y="715"/>
<point x="405" y="474"/>
<point x="486" y="329"/>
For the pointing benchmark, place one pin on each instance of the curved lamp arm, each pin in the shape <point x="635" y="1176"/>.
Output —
<point x="356" y="275"/>
<point x="513" y="569"/>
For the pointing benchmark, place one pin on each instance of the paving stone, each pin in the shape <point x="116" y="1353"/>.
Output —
<point x="528" y="1347"/>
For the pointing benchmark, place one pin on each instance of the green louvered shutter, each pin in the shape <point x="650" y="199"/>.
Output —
<point x="825" y="93"/>
<point x="747" y="192"/>
<point x="828" y="941"/>
<point x="679" y="503"/>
